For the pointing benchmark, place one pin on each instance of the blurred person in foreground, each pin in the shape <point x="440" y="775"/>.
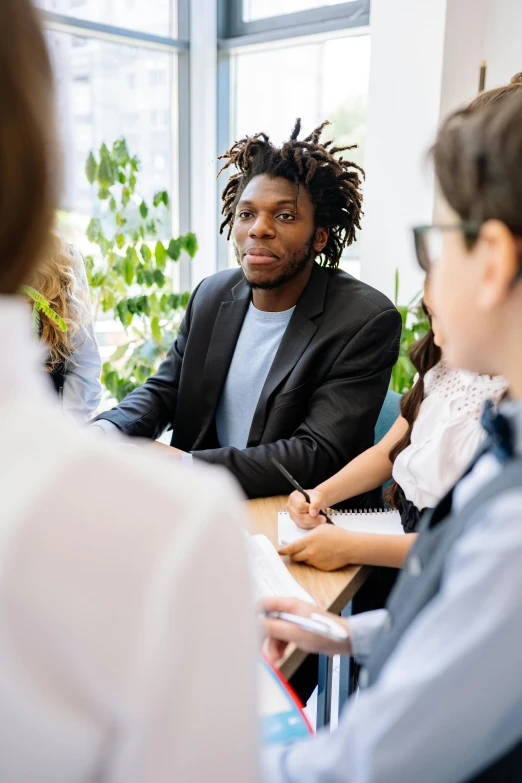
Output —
<point x="441" y="691"/>
<point x="113" y="665"/>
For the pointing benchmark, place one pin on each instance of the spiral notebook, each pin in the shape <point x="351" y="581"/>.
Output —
<point x="381" y="521"/>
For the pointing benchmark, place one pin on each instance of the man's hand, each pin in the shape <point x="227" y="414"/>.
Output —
<point x="306" y="515"/>
<point x="280" y="633"/>
<point x="327" y="548"/>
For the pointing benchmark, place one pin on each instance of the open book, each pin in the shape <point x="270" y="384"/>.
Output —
<point x="380" y="521"/>
<point x="271" y="576"/>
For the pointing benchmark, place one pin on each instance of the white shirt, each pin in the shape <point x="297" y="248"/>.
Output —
<point x="449" y="700"/>
<point x="127" y="638"/>
<point x="82" y="389"/>
<point x="446" y="434"/>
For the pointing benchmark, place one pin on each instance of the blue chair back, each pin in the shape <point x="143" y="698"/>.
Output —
<point x="388" y="415"/>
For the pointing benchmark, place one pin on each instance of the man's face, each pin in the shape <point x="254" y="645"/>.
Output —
<point x="274" y="238"/>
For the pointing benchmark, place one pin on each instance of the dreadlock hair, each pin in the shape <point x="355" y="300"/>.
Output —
<point x="424" y="355"/>
<point x="333" y="183"/>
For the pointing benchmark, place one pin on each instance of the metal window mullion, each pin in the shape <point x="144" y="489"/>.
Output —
<point x="86" y="28"/>
<point x="224" y="132"/>
<point x="233" y="25"/>
<point x="293" y="33"/>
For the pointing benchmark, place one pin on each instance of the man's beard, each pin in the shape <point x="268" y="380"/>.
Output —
<point x="294" y="267"/>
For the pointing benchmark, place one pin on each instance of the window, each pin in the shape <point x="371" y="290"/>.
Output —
<point x="327" y="80"/>
<point x="94" y="107"/>
<point x="261" y="9"/>
<point x="158" y="77"/>
<point x="153" y="16"/>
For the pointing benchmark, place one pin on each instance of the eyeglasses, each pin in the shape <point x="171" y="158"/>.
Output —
<point x="429" y="240"/>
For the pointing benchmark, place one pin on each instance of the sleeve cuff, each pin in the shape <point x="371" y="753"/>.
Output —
<point x="364" y="628"/>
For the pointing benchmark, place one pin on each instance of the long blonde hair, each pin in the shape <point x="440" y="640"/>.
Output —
<point x="56" y="278"/>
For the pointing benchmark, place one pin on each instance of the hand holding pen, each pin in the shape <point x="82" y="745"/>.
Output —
<point x="304" y="516"/>
<point x="287" y="621"/>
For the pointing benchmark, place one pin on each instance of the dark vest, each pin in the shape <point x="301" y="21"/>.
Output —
<point x="420" y="582"/>
<point x="58" y="377"/>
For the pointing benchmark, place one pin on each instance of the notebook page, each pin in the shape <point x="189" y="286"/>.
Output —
<point x="385" y="523"/>
<point x="271" y="576"/>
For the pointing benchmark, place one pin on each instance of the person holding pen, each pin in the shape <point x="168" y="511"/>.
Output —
<point x="425" y="452"/>
<point x="440" y="697"/>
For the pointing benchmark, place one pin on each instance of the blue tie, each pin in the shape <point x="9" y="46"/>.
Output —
<point x="500" y="440"/>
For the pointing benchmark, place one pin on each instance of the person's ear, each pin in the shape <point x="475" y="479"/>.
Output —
<point x="498" y="253"/>
<point x="321" y="238"/>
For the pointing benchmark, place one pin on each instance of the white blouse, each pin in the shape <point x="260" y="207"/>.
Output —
<point x="447" y="432"/>
<point x="127" y="635"/>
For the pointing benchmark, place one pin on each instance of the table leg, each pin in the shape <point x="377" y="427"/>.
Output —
<point x="324" y="691"/>
<point x="346" y="669"/>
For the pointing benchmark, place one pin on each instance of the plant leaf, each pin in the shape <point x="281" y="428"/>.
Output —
<point x="91" y="168"/>
<point x="43" y="306"/>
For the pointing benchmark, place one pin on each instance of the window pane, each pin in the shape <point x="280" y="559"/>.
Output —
<point x="105" y="91"/>
<point x="262" y="9"/>
<point x="153" y="16"/>
<point x="318" y="81"/>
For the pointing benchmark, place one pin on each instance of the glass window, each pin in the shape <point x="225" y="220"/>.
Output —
<point x="153" y="16"/>
<point x="262" y="9"/>
<point x="104" y="92"/>
<point x="318" y="81"/>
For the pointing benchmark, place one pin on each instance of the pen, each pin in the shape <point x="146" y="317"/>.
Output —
<point x="315" y="623"/>
<point x="297" y="486"/>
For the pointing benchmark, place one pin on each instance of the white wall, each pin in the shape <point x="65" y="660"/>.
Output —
<point x="425" y="61"/>
<point x="503" y="41"/>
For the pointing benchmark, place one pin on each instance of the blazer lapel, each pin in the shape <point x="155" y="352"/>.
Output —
<point x="225" y="333"/>
<point x="295" y="340"/>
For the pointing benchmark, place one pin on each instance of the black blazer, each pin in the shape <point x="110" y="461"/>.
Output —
<point x="320" y="401"/>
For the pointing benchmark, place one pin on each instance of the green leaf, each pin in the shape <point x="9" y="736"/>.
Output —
<point x="125" y="196"/>
<point x="120" y="151"/>
<point x="93" y="230"/>
<point x="160" y="254"/>
<point x="105" y="174"/>
<point x="129" y="271"/>
<point x="120" y="240"/>
<point x="159" y="278"/>
<point x="144" y="210"/>
<point x="112" y="204"/>
<point x="174" y="249"/>
<point x="190" y="244"/>
<point x="120" y="352"/>
<point x="43" y="306"/>
<point x="145" y="252"/>
<point x="91" y="168"/>
<point x="155" y="329"/>
<point x="161" y="197"/>
<point x="185" y="297"/>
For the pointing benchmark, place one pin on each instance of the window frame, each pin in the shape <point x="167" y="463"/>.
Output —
<point x="233" y="31"/>
<point x="179" y="121"/>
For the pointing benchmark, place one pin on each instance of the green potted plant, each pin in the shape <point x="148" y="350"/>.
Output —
<point x="131" y="272"/>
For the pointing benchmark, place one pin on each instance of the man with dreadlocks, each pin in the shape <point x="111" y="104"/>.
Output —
<point x="287" y="356"/>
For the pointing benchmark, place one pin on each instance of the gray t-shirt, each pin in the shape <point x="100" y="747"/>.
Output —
<point x="256" y="348"/>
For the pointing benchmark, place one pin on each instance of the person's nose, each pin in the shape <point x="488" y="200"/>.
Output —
<point x="263" y="226"/>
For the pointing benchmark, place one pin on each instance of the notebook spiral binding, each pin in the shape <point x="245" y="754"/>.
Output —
<point x="335" y="512"/>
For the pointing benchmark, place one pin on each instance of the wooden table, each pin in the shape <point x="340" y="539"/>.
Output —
<point x="331" y="590"/>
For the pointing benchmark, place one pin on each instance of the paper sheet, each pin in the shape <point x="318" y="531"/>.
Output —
<point x="271" y="576"/>
<point x="386" y="523"/>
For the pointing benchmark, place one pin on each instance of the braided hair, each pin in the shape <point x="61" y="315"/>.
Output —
<point x="334" y="184"/>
